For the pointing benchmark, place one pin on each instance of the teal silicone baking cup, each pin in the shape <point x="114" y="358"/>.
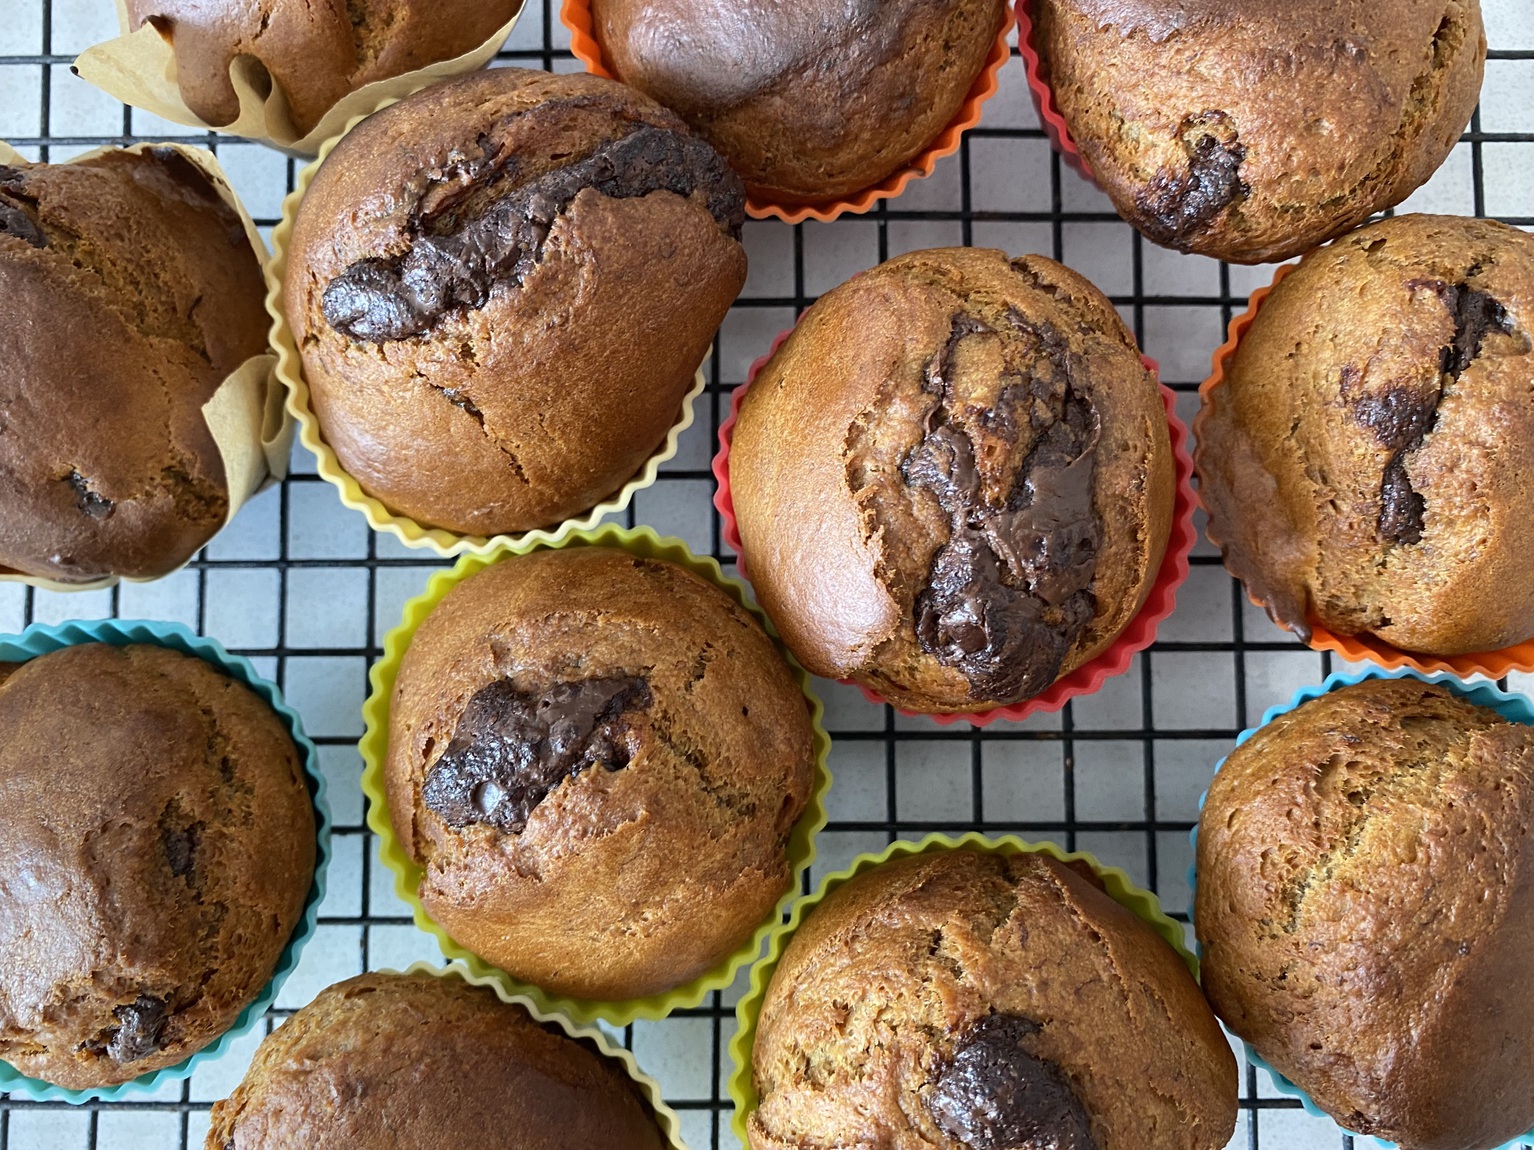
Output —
<point x="40" y="639"/>
<point x="1513" y="708"/>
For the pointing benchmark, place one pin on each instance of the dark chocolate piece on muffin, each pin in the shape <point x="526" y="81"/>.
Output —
<point x="812" y="100"/>
<point x="132" y="292"/>
<point x="421" y="1062"/>
<point x="954" y="479"/>
<point x="502" y="287"/>
<point x="314" y="54"/>
<point x="585" y="728"/>
<point x="158" y="846"/>
<point x="1368" y="459"/>
<point x="1366" y="906"/>
<point x="1253" y="132"/>
<point x="996" y="1002"/>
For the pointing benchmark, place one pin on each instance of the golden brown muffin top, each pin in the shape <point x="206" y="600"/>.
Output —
<point x="420" y="1062"/>
<point x="808" y="100"/>
<point x="502" y="287"/>
<point x="961" y="999"/>
<point x="1250" y="131"/>
<point x="1369" y="460"/>
<point x="156" y="852"/>
<point x="132" y="292"/>
<point x="954" y="479"/>
<point x="1366" y="904"/>
<point x="598" y="758"/>
<point x="314" y="53"/>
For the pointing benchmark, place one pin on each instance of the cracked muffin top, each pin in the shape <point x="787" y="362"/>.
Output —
<point x="157" y="848"/>
<point x="954" y="480"/>
<point x="1252" y="132"/>
<point x="419" y="1062"/>
<point x="1366" y="906"/>
<point x="1368" y="461"/>
<point x="809" y="100"/>
<point x="502" y="287"/>
<point x="132" y="292"/>
<point x="313" y="53"/>
<point x="598" y="760"/>
<point x="960" y="1000"/>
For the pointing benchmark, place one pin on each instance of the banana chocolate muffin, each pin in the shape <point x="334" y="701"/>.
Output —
<point x="954" y="480"/>
<point x="1366" y="905"/>
<point x="1250" y="131"/>
<point x="421" y="1062"/>
<point x="132" y="292"/>
<point x="157" y="849"/>
<point x="502" y="288"/>
<point x="1368" y="461"/>
<point x="810" y="100"/>
<point x="314" y="54"/>
<point x="960" y="1000"/>
<point x="598" y="760"/>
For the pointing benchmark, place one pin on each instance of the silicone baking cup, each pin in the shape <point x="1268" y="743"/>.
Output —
<point x="1513" y="708"/>
<point x="1362" y="648"/>
<point x="576" y="15"/>
<point x="380" y="518"/>
<point x="1117" y="883"/>
<point x="407" y="875"/>
<point x="40" y="639"/>
<point x="1043" y="97"/>
<point x="1134" y="638"/>
<point x="665" y="1117"/>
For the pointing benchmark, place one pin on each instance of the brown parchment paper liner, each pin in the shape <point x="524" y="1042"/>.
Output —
<point x="252" y="431"/>
<point x="139" y="68"/>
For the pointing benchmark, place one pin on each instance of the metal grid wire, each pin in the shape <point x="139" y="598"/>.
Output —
<point x="300" y="585"/>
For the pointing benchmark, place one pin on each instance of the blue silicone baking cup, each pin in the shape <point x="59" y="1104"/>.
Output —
<point x="1512" y="707"/>
<point x="40" y="639"/>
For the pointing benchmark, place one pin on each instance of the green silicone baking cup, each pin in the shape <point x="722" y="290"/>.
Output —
<point x="1142" y="903"/>
<point x="407" y="875"/>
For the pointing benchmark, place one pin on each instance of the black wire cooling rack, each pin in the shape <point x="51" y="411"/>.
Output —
<point x="1118" y="773"/>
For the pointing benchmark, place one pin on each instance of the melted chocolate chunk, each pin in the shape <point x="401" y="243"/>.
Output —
<point x="180" y="845"/>
<point x="1401" y="418"/>
<point x="1010" y="591"/>
<point x="14" y="220"/>
<point x="94" y="504"/>
<point x="495" y="231"/>
<point x="139" y="1031"/>
<point x="510" y="750"/>
<point x="994" y="1095"/>
<point x="1177" y="203"/>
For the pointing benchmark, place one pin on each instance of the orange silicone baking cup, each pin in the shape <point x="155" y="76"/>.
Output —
<point x="1137" y="635"/>
<point x="1043" y="97"/>
<point x="576" y="16"/>
<point x="1363" y="648"/>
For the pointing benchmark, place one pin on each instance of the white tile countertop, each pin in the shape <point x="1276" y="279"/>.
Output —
<point x="300" y="584"/>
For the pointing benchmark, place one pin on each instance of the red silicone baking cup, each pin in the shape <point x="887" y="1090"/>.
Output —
<point x="576" y="16"/>
<point x="1363" y="648"/>
<point x="1134" y="638"/>
<point x="1044" y="97"/>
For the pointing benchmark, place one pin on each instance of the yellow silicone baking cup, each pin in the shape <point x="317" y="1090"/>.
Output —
<point x="1142" y="903"/>
<point x="665" y="1117"/>
<point x="407" y="875"/>
<point x="379" y="516"/>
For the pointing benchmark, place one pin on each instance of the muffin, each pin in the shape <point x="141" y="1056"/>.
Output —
<point x="954" y="480"/>
<point x="419" y="1062"/>
<point x="502" y="288"/>
<point x="157" y="849"/>
<point x="1253" y="132"/>
<point x="808" y="101"/>
<point x="314" y="54"/>
<point x="132" y="293"/>
<point x="597" y="759"/>
<point x="1366" y="905"/>
<point x="1368" y="460"/>
<point x="988" y="1001"/>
